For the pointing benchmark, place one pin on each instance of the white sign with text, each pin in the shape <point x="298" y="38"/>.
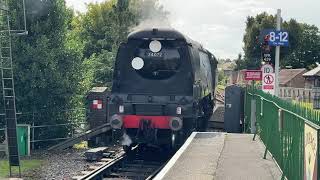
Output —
<point x="268" y="79"/>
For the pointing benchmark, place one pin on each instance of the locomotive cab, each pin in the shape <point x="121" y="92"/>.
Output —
<point x="162" y="90"/>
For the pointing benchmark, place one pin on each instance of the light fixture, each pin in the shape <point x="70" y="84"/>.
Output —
<point x="179" y="110"/>
<point x="121" y="109"/>
<point x="155" y="46"/>
<point x="137" y="63"/>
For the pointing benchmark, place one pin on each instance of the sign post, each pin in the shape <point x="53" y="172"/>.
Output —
<point x="274" y="37"/>
<point x="277" y="58"/>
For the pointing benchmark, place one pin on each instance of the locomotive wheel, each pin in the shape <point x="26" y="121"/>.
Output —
<point x="176" y="140"/>
<point x="199" y="124"/>
<point x="203" y="123"/>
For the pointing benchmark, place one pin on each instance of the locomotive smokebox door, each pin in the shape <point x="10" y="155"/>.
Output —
<point x="234" y="109"/>
<point x="97" y="102"/>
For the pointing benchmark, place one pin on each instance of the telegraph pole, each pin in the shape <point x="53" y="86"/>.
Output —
<point x="277" y="58"/>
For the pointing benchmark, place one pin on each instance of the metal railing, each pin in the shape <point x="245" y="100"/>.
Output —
<point x="297" y="94"/>
<point x="35" y="138"/>
<point x="74" y="129"/>
<point x="48" y="134"/>
<point x="2" y="134"/>
<point x="281" y="126"/>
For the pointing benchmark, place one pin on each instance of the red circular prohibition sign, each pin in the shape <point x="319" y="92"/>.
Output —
<point x="268" y="79"/>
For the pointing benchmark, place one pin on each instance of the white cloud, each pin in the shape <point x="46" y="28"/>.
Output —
<point x="219" y="24"/>
<point x="80" y="5"/>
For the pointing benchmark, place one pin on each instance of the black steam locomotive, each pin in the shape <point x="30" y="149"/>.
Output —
<point x="163" y="88"/>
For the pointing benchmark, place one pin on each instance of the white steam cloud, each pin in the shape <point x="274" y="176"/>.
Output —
<point x="152" y="16"/>
<point x="126" y="141"/>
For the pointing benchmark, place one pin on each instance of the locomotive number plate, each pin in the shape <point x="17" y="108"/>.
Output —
<point x="153" y="54"/>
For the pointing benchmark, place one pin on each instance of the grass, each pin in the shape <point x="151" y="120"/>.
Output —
<point x="304" y="104"/>
<point x="81" y="145"/>
<point x="221" y="87"/>
<point x="26" y="165"/>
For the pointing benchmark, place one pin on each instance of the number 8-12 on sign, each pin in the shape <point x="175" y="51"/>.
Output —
<point x="279" y="38"/>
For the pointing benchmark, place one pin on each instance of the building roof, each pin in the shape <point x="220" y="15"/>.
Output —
<point x="313" y="72"/>
<point x="287" y="75"/>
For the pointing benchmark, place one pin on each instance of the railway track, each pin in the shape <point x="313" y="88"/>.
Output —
<point x="216" y="122"/>
<point x="141" y="163"/>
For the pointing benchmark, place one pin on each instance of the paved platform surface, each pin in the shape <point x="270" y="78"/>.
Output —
<point x="220" y="156"/>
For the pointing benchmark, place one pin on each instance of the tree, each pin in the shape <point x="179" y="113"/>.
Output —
<point x="103" y="28"/>
<point x="45" y="67"/>
<point x="65" y="55"/>
<point x="252" y="50"/>
<point x="240" y="63"/>
<point x="303" y="51"/>
<point x="306" y="52"/>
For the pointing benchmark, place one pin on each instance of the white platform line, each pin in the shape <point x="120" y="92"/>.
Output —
<point x="176" y="156"/>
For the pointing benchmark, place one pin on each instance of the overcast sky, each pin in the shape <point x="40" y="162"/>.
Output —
<point x="219" y="24"/>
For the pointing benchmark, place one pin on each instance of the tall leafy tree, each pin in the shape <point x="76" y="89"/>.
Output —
<point x="45" y="67"/>
<point x="103" y="28"/>
<point x="64" y="55"/>
<point x="304" y="43"/>
<point x="251" y="39"/>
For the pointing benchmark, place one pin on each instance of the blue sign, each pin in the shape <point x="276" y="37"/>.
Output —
<point x="278" y="38"/>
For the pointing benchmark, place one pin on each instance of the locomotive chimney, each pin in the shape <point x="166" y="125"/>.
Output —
<point x="154" y="31"/>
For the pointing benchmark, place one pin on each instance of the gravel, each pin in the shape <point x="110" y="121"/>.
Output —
<point x="59" y="165"/>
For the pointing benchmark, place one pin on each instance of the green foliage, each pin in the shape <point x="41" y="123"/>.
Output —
<point x="240" y="63"/>
<point x="65" y="54"/>
<point x="102" y="29"/>
<point x="46" y="68"/>
<point x="26" y="165"/>
<point x="306" y="105"/>
<point x="222" y="78"/>
<point x="304" y="49"/>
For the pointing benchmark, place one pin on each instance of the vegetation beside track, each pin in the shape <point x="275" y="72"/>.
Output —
<point x="65" y="54"/>
<point x="81" y="145"/>
<point x="26" y="165"/>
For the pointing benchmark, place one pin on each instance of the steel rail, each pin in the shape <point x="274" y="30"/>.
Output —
<point x="101" y="171"/>
<point x="151" y="176"/>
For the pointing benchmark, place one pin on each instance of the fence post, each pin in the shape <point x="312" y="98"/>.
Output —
<point x="284" y="170"/>
<point x="268" y="131"/>
<point x="261" y="107"/>
<point x="253" y="116"/>
<point x="33" y="135"/>
<point x="280" y="120"/>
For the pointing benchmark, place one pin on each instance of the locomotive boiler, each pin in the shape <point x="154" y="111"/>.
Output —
<point x="163" y="88"/>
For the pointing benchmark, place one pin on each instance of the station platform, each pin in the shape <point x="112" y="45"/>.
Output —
<point x="220" y="156"/>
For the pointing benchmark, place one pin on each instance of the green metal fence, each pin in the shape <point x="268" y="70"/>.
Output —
<point x="281" y="126"/>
